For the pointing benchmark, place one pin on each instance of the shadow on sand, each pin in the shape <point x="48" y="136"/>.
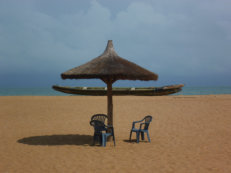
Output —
<point x="134" y="141"/>
<point x="128" y="141"/>
<point x="58" y="140"/>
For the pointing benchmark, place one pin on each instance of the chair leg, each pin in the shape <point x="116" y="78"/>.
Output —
<point x="130" y="136"/>
<point x="96" y="138"/>
<point x="100" y="139"/>
<point x="148" y="137"/>
<point x="104" y="139"/>
<point x="142" y="135"/>
<point x="137" y="137"/>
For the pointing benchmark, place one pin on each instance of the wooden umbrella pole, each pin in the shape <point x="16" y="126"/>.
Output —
<point x="109" y="103"/>
<point x="109" y="106"/>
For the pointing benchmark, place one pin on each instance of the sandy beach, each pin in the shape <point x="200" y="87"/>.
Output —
<point x="189" y="134"/>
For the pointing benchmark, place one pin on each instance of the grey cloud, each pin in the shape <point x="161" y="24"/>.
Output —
<point x="180" y="37"/>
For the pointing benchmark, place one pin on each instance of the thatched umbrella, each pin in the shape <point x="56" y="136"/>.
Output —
<point x="109" y="67"/>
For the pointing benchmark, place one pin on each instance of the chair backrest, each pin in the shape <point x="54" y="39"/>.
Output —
<point x="98" y="125"/>
<point x="147" y="120"/>
<point x="99" y="117"/>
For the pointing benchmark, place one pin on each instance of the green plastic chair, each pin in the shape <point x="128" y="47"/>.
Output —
<point x="144" y="124"/>
<point x="102" y="132"/>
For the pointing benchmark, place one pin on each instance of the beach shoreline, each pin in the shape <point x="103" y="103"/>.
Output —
<point x="189" y="133"/>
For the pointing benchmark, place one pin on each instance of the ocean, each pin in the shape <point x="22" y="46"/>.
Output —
<point x="50" y="92"/>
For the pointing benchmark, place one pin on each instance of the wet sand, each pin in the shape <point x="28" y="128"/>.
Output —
<point x="189" y="134"/>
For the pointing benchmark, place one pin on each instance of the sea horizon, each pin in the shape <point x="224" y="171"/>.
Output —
<point x="48" y="91"/>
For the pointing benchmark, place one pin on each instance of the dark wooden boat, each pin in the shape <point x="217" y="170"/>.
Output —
<point x="101" y="91"/>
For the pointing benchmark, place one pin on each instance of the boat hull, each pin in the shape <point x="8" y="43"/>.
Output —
<point x="100" y="91"/>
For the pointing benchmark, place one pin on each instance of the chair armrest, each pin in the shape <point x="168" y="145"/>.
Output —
<point x="141" y="124"/>
<point x="134" y="122"/>
<point x="138" y="121"/>
<point x="110" y="127"/>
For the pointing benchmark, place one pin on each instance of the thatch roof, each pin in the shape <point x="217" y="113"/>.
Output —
<point x="109" y="66"/>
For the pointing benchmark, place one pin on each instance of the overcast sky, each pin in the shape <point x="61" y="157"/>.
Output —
<point x="183" y="41"/>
